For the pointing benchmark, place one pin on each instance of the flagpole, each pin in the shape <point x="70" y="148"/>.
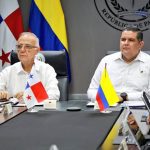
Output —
<point x="105" y="69"/>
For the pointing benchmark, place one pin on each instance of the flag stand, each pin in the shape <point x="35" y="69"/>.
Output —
<point x="32" y="110"/>
<point x="106" y="111"/>
<point x="96" y="107"/>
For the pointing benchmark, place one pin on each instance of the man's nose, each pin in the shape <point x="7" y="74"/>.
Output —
<point x="126" y="42"/>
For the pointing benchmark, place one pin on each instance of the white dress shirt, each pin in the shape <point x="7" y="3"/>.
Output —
<point x="13" y="79"/>
<point x="131" y="78"/>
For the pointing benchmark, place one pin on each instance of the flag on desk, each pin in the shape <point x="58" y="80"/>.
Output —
<point x="34" y="92"/>
<point x="11" y="25"/>
<point x="106" y="95"/>
<point x="47" y="22"/>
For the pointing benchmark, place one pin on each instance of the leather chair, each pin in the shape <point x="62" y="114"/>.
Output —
<point x="110" y="52"/>
<point x="57" y="59"/>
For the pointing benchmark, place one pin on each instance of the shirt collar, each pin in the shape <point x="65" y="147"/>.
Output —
<point x="37" y="66"/>
<point x="138" y="58"/>
<point x="118" y="56"/>
<point x="20" y="69"/>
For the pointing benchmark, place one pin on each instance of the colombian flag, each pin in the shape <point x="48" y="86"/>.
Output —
<point x="106" y="95"/>
<point x="48" y="23"/>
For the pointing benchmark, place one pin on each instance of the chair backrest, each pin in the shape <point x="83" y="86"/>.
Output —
<point x="57" y="59"/>
<point x="110" y="52"/>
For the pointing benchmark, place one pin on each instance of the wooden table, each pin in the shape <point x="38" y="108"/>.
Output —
<point x="16" y="111"/>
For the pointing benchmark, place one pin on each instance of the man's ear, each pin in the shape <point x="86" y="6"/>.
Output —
<point x="38" y="49"/>
<point x="141" y="44"/>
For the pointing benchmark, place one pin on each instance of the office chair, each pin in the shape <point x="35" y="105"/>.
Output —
<point x="57" y="59"/>
<point x="110" y="52"/>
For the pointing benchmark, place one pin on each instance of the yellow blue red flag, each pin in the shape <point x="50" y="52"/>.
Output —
<point x="48" y="23"/>
<point x="106" y="95"/>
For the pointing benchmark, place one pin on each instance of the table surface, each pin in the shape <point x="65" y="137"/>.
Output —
<point x="16" y="111"/>
<point x="62" y="106"/>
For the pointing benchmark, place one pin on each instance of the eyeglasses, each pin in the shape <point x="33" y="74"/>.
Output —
<point x="26" y="47"/>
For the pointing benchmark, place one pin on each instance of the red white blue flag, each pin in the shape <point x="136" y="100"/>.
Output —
<point x="11" y="26"/>
<point x="34" y="92"/>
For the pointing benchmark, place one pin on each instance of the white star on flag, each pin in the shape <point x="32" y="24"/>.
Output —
<point x="34" y="92"/>
<point x="11" y="26"/>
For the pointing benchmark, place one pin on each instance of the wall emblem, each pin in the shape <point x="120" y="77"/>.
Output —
<point x="121" y="13"/>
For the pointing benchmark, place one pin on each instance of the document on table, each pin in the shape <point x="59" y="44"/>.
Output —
<point x="21" y="105"/>
<point x="132" y="103"/>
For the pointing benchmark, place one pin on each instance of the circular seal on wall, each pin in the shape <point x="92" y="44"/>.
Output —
<point x="121" y="13"/>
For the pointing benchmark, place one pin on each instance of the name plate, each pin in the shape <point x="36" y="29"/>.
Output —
<point x="49" y="104"/>
<point x="8" y="109"/>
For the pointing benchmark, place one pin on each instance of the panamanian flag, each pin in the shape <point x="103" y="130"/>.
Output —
<point x="11" y="25"/>
<point x="34" y="91"/>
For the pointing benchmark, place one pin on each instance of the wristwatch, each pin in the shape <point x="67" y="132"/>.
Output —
<point x="124" y="96"/>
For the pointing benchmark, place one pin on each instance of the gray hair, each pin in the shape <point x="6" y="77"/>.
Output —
<point x="32" y="34"/>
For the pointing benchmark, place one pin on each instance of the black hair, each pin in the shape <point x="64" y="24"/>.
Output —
<point x="135" y="29"/>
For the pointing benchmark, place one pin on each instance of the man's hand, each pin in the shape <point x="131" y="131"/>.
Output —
<point x="123" y="97"/>
<point x="120" y="99"/>
<point x="132" y="122"/>
<point x="4" y="95"/>
<point x="19" y="95"/>
<point x="148" y="120"/>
